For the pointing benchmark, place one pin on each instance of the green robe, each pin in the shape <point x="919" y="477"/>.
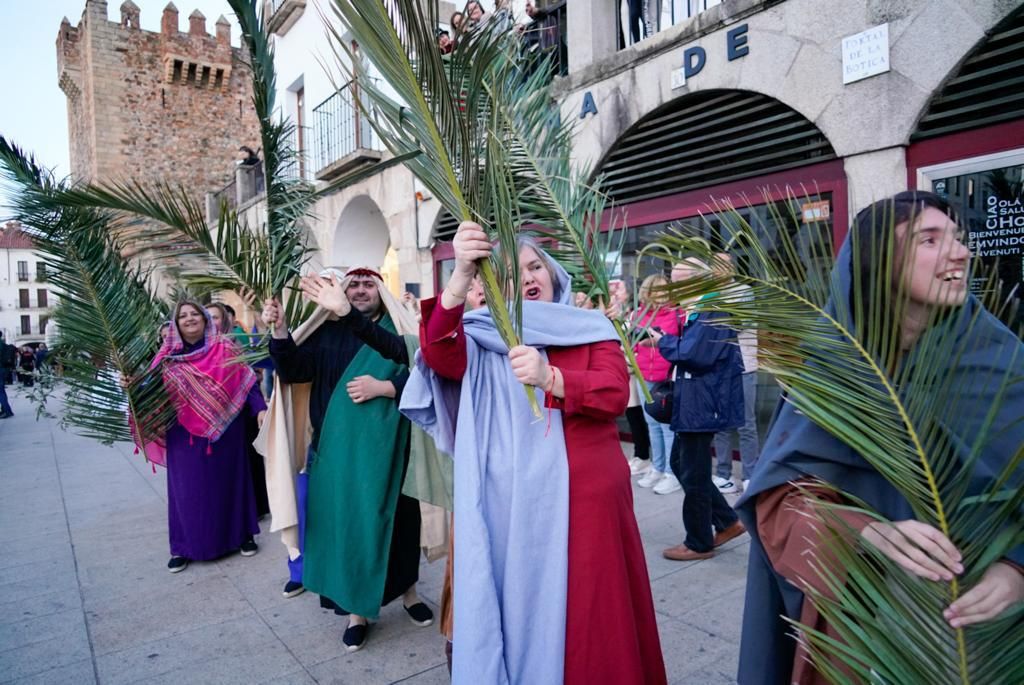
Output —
<point x="430" y="476"/>
<point x="354" y="484"/>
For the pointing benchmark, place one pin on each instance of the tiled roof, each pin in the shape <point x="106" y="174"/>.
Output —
<point x="15" y="239"/>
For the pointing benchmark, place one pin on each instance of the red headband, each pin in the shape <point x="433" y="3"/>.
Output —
<point x="362" y="271"/>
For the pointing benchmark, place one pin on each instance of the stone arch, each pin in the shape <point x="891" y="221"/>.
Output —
<point x="361" y="235"/>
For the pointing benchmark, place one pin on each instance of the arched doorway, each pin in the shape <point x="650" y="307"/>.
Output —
<point x="728" y="146"/>
<point x="361" y="238"/>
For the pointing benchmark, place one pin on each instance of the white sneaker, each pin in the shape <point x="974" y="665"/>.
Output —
<point x="746" y="484"/>
<point x="724" y="485"/>
<point x="638" y="466"/>
<point x="650" y="479"/>
<point x="668" y="485"/>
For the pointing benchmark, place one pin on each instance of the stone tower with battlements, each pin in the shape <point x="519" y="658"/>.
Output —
<point x="166" y="106"/>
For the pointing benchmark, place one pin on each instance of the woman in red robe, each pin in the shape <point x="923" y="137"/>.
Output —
<point x="610" y="632"/>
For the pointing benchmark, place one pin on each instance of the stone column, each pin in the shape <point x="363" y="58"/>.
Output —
<point x="592" y="31"/>
<point x="875" y="175"/>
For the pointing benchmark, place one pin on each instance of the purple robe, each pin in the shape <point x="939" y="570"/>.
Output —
<point x="211" y="505"/>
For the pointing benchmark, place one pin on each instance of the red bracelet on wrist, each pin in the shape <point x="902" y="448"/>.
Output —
<point x="551" y="383"/>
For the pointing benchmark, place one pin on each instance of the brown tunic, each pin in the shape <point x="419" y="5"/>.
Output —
<point x="787" y="525"/>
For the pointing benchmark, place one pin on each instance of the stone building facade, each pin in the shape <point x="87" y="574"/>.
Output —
<point x="386" y="220"/>
<point x="943" y="91"/>
<point x="167" y="106"/>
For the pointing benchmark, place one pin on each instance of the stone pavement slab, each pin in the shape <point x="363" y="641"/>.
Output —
<point x="85" y="596"/>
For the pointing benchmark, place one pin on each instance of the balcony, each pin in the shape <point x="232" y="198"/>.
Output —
<point x="546" y="36"/>
<point x="282" y="14"/>
<point x="343" y="136"/>
<point x="673" y="13"/>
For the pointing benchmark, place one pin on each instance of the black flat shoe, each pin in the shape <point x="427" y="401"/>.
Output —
<point x="420" y="614"/>
<point x="293" y="589"/>
<point x="249" y="548"/>
<point x="354" y="638"/>
<point x="177" y="564"/>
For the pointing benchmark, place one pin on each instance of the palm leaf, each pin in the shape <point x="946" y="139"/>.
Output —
<point x="841" y="363"/>
<point x="439" y="107"/>
<point x="107" y="316"/>
<point x="560" y="200"/>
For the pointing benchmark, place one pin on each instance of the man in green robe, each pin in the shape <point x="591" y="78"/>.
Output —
<point x="361" y="535"/>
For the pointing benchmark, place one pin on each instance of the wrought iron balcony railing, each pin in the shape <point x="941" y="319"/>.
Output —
<point x="343" y="135"/>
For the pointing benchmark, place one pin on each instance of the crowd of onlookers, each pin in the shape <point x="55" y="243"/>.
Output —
<point x="543" y="34"/>
<point x="23" y="364"/>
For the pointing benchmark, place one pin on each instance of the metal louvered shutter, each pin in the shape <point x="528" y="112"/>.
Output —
<point x="988" y="88"/>
<point x="446" y="226"/>
<point x="710" y="138"/>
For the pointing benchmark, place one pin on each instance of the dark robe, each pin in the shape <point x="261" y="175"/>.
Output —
<point x="321" y="360"/>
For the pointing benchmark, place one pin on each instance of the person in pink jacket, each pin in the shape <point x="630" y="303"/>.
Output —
<point x="655" y="368"/>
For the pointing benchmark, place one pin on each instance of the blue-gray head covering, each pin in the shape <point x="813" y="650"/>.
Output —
<point x="986" y="416"/>
<point x="509" y="468"/>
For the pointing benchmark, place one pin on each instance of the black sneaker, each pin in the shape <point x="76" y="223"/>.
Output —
<point x="420" y="614"/>
<point x="292" y="589"/>
<point x="355" y="637"/>
<point x="177" y="564"/>
<point x="249" y="548"/>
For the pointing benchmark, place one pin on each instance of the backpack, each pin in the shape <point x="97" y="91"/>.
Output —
<point x="660" y="406"/>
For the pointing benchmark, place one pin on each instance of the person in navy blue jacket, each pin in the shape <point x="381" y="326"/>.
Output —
<point x="707" y="398"/>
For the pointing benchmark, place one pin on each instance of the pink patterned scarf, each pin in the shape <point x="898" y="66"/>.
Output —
<point x="207" y="386"/>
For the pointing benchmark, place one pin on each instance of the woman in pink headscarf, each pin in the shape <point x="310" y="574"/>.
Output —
<point x="211" y="508"/>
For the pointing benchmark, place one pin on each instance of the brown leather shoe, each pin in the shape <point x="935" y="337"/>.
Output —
<point x="734" y="531"/>
<point x="684" y="553"/>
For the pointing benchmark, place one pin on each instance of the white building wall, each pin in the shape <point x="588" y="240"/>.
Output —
<point x="10" y="287"/>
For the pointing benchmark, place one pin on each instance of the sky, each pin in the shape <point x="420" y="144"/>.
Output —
<point x="34" y="114"/>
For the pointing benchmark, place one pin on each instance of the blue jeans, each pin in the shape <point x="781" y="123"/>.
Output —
<point x="750" y="444"/>
<point x="704" y="509"/>
<point x="662" y="438"/>
<point x="5" y="406"/>
<point x="267" y="383"/>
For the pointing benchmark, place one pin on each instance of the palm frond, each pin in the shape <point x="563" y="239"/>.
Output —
<point x="558" y="198"/>
<point x="107" y="315"/>
<point x="841" y="362"/>
<point x="440" y="107"/>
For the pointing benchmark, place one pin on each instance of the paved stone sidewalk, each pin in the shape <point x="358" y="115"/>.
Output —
<point x="85" y="596"/>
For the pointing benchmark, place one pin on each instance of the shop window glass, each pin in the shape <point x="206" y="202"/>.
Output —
<point x="990" y="205"/>
<point x="811" y="258"/>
